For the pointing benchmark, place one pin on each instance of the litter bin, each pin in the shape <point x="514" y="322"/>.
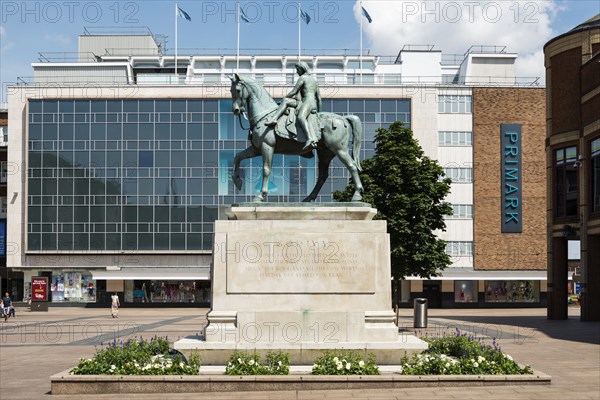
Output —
<point x="420" y="313"/>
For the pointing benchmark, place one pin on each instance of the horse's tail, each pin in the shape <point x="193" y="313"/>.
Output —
<point x="357" y="138"/>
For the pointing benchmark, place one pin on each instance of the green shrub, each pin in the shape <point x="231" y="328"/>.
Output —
<point x="278" y="363"/>
<point x="138" y="357"/>
<point x="345" y="363"/>
<point x="244" y="363"/>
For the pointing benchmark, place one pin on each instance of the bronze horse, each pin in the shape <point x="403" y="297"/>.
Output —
<point x="251" y="99"/>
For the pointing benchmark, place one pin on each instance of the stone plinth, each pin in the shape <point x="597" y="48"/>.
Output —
<point x="301" y="278"/>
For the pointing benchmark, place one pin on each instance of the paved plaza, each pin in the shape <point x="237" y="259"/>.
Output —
<point x="35" y="346"/>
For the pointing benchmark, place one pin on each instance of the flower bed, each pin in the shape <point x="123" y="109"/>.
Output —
<point x="462" y="355"/>
<point x="449" y="355"/>
<point x="243" y="363"/>
<point x="138" y="357"/>
<point x="344" y="363"/>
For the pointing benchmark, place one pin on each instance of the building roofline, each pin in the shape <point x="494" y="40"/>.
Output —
<point x="592" y="23"/>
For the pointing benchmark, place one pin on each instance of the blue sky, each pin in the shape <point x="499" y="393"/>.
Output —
<point x="30" y="27"/>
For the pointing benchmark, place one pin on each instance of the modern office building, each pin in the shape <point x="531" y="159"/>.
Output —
<point x="126" y="164"/>
<point x="573" y="161"/>
<point x="8" y="281"/>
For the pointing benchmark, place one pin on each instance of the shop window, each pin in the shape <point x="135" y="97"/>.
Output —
<point x="465" y="291"/>
<point x="73" y="287"/>
<point x="566" y="187"/>
<point x="512" y="291"/>
<point x="167" y="291"/>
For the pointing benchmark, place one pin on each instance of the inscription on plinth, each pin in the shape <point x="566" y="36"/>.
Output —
<point x="300" y="263"/>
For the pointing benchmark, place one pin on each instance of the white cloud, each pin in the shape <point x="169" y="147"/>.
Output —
<point x="58" y="38"/>
<point x="453" y="26"/>
<point x="5" y="44"/>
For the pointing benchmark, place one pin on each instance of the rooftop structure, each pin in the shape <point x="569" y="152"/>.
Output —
<point x="140" y="58"/>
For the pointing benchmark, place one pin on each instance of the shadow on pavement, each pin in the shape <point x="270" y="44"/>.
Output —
<point x="520" y="328"/>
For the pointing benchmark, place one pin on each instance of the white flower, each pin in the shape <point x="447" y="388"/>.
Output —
<point x="361" y="363"/>
<point x="476" y="365"/>
<point x="509" y="357"/>
<point x="181" y="364"/>
<point x="348" y="366"/>
<point x="240" y="361"/>
<point x="280" y="363"/>
<point x="251" y="362"/>
<point x="339" y="366"/>
<point x="447" y="365"/>
<point x="472" y="360"/>
<point x="335" y="359"/>
<point x="315" y="365"/>
<point x="480" y="359"/>
<point x="442" y="356"/>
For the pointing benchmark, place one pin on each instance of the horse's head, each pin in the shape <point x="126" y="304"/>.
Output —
<point x="239" y="95"/>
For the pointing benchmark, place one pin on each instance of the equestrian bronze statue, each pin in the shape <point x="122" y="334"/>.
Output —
<point x="303" y="129"/>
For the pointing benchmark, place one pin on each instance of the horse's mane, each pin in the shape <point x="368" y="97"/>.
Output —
<point x="260" y="90"/>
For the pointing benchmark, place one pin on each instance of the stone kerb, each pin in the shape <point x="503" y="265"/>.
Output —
<point x="65" y="384"/>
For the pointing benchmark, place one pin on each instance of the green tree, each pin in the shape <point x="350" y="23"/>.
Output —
<point x="408" y="190"/>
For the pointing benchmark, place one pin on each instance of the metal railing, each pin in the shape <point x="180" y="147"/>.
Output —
<point x="485" y="49"/>
<point x="283" y="79"/>
<point x="66" y="56"/>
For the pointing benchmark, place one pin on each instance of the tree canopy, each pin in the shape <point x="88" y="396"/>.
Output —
<point x="408" y="190"/>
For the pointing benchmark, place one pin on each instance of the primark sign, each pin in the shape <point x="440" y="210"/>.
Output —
<point x="512" y="181"/>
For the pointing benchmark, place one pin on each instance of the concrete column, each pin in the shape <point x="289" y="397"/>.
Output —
<point x="557" y="280"/>
<point x="590" y="285"/>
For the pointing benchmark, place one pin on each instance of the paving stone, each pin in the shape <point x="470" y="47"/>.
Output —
<point x="36" y="345"/>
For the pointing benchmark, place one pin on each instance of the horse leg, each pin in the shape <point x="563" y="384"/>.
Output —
<point x="351" y="165"/>
<point x="242" y="155"/>
<point x="325" y="156"/>
<point x="267" y="157"/>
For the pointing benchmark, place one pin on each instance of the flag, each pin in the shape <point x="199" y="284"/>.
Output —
<point x="183" y="14"/>
<point x="243" y="15"/>
<point x="366" y="15"/>
<point x="305" y="17"/>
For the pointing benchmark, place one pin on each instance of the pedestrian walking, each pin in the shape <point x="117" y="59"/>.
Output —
<point x="114" y="307"/>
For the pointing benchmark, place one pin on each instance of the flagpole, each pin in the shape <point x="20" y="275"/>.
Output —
<point x="361" y="44"/>
<point x="176" y="18"/>
<point x="299" y="29"/>
<point x="237" y="58"/>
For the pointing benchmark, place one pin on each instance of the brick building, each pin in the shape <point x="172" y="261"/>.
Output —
<point x="573" y="163"/>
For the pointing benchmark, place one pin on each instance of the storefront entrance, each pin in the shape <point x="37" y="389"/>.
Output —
<point x="432" y="291"/>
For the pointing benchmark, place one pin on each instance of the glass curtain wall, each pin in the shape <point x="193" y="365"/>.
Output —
<point x="140" y="174"/>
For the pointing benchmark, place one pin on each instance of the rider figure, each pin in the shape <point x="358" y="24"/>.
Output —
<point x="308" y="88"/>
